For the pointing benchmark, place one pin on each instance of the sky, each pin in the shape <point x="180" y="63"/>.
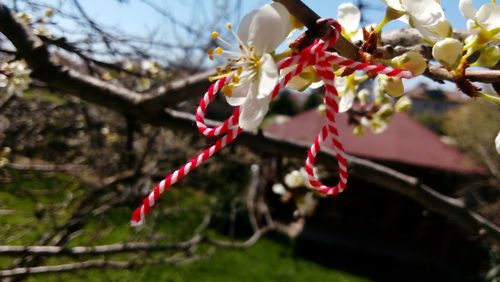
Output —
<point x="135" y="17"/>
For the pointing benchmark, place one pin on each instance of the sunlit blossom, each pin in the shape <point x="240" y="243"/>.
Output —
<point x="250" y="65"/>
<point x="427" y="16"/>
<point x="349" y="16"/>
<point x="486" y="20"/>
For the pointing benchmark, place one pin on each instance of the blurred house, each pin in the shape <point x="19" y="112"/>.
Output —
<point x="435" y="100"/>
<point x="389" y="236"/>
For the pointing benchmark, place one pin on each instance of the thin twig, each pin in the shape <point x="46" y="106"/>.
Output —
<point x="98" y="250"/>
<point x="99" y="264"/>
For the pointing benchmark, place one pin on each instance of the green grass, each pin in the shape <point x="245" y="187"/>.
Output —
<point x="268" y="260"/>
<point x="271" y="259"/>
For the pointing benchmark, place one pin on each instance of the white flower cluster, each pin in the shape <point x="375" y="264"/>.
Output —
<point x="14" y="77"/>
<point x="306" y="202"/>
<point x="428" y="17"/>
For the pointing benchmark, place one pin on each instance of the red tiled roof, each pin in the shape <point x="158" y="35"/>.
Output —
<point x="405" y="141"/>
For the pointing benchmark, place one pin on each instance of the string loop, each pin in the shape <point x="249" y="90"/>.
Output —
<point x="316" y="55"/>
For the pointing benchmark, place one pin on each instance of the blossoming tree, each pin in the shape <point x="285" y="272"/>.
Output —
<point x="335" y="55"/>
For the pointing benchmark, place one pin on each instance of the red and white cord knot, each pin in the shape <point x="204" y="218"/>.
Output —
<point x="316" y="55"/>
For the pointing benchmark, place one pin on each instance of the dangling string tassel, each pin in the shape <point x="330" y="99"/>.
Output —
<point x="314" y="55"/>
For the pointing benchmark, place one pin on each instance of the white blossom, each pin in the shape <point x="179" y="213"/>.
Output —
<point x="294" y="179"/>
<point x="14" y="77"/>
<point x="253" y="70"/>
<point x="486" y="18"/>
<point x="349" y="16"/>
<point x="427" y="16"/>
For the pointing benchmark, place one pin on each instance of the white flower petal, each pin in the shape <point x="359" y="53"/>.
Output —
<point x="240" y="93"/>
<point x="279" y="189"/>
<point x="316" y="85"/>
<point x="266" y="28"/>
<point x="244" y="27"/>
<point x="253" y="110"/>
<point x="435" y="32"/>
<point x="346" y="101"/>
<point x="340" y="83"/>
<point x="467" y="9"/>
<point x="349" y="17"/>
<point x="497" y="142"/>
<point x="424" y="12"/>
<point x="472" y="27"/>
<point x="404" y="19"/>
<point x="268" y="76"/>
<point x="488" y="16"/>
<point x="395" y="4"/>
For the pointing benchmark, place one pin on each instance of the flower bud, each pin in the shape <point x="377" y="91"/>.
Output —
<point x="391" y="85"/>
<point x="403" y="105"/>
<point x="358" y="130"/>
<point x="381" y="98"/>
<point x="412" y="61"/>
<point x="385" y="112"/>
<point x="448" y="52"/>
<point x="377" y="125"/>
<point x="489" y="57"/>
<point x="322" y="109"/>
<point x="48" y="12"/>
<point x="143" y="84"/>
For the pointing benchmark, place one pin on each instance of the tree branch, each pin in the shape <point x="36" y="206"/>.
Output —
<point x="319" y="29"/>
<point x="486" y="76"/>
<point x="120" y="99"/>
<point x="98" y="250"/>
<point x="99" y="264"/>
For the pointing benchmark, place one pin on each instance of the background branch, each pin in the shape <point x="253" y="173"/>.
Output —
<point x="123" y="100"/>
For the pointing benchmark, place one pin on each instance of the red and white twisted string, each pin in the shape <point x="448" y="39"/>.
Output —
<point x="314" y="55"/>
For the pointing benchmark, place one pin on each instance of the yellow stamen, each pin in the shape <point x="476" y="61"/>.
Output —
<point x="229" y="26"/>
<point x="227" y="90"/>
<point x="236" y="78"/>
<point x="215" y="35"/>
<point x="210" y="53"/>
<point x="217" y="77"/>
<point x="218" y="50"/>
